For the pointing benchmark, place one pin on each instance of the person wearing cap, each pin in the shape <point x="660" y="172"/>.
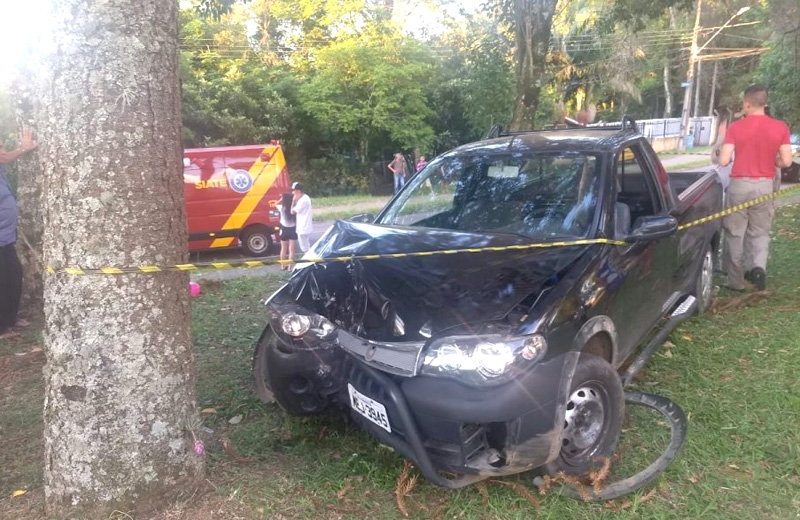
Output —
<point x="301" y="209"/>
<point x="10" y="268"/>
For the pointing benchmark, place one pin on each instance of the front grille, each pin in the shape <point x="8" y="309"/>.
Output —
<point x="401" y="359"/>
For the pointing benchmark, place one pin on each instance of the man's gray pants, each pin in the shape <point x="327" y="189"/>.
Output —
<point x="747" y="231"/>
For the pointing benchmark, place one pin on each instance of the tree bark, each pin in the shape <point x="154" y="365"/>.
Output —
<point x="533" y="20"/>
<point x="119" y="407"/>
<point x="713" y="93"/>
<point x="698" y="81"/>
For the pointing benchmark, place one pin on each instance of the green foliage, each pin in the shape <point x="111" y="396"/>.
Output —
<point x="325" y="176"/>
<point x="343" y="87"/>
<point x="230" y="96"/>
<point x="779" y="69"/>
<point x="637" y="14"/>
<point x="369" y="84"/>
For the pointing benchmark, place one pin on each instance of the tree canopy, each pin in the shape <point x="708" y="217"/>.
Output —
<point x="345" y="84"/>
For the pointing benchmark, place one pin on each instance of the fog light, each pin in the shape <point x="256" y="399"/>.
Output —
<point x="295" y="325"/>
<point x="533" y="346"/>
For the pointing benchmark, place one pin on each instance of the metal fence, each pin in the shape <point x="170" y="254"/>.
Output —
<point x="700" y="127"/>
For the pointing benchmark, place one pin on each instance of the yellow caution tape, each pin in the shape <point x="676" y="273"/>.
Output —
<point x="739" y="207"/>
<point x="516" y="247"/>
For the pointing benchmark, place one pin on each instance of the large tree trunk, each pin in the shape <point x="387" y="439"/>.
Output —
<point x="119" y="401"/>
<point x="533" y="20"/>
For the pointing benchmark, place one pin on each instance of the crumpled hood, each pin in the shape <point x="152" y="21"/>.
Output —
<point x="431" y="293"/>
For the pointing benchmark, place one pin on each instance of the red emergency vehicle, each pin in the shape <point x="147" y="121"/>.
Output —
<point x="230" y="196"/>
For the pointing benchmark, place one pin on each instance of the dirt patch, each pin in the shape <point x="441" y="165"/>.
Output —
<point x="19" y="365"/>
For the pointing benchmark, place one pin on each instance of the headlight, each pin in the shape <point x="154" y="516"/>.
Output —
<point x="482" y="359"/>
<point x="297" y="325"/>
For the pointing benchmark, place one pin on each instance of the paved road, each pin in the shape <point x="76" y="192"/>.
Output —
<point x="227" y="255"/>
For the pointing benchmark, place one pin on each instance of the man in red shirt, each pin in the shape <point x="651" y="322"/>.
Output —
<point x="761" y="144"/>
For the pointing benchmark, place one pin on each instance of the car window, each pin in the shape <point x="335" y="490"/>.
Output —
<point x="634" y="185"/>
<point x="533" y="194"/>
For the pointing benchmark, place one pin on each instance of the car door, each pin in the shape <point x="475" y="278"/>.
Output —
<point x="643" y="271"/>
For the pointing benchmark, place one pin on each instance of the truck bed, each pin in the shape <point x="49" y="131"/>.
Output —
<point x="681" y="181"/>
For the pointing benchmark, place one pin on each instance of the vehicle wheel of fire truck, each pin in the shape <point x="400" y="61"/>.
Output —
<point x="593" y="417"/>
<point x="704" y="285"/>
<point x="256" y="240"/>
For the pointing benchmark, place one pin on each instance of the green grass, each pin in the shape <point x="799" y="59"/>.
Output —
<point x="342" y="207"/>
<point x="734" y="373"/>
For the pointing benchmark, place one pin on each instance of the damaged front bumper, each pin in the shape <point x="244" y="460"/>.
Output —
<point x="440" y="424"/>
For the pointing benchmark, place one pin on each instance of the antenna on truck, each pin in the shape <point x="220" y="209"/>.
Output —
<point x="495" y="131"/>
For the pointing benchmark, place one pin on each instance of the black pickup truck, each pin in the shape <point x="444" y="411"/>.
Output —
<point x="481" y="323"/>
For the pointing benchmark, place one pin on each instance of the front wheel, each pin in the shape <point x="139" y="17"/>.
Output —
<point x="704" y="284"/>
<point x="593" y="417"/>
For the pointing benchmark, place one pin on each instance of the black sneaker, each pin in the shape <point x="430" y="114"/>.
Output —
<point x="758" y="277"/>
<point x="748" y="275"/>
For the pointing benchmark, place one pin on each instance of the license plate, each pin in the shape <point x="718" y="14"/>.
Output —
<point x="369" y="408"/>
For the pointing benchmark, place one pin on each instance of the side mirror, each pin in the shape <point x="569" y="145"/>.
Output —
<point x="652" y="228"/>
<point x="362" y="218"/>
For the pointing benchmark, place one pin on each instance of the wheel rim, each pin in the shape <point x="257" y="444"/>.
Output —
<point x="584" y="422"/>
<point x="257" y="243"/>
<point x="706" y="277"/>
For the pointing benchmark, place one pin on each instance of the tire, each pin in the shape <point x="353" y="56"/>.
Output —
<point x="593" y="418"/>
<point x="256" y="241"/>
<point x="263" y="392"/>
<point x="704" y="283"/>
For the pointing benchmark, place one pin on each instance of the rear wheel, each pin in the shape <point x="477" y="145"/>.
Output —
<point x="593" y="417"/>
<point x="256" y="240"/>
<point x="704" y="284"/>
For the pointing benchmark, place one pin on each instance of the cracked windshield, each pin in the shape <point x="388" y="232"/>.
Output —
<point x="539" y="196"/>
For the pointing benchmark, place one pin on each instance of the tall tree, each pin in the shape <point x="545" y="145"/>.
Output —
<point x="119" y="402"/>
<point x="368" y="84"/>
<point x="532" y="21"/>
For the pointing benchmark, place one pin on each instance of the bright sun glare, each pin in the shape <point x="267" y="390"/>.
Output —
<point x="21" y="25"/>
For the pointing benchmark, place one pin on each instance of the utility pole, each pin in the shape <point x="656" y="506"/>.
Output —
<point x="693" y="58"/>
<point x="687" y="96"/>
<point x="697" y="88"/>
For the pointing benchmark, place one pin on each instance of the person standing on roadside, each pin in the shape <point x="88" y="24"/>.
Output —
<point x="421" y="163"/>
<point x="10" y="268"/>
<point x="301" y="209"/>
<point x="288" y="231"/>
<point x="399" y="168"/>
<point x="761" y="144"/>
